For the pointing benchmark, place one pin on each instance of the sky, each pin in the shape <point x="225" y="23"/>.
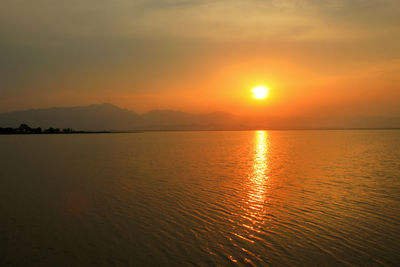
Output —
<point x="330" y="58"/>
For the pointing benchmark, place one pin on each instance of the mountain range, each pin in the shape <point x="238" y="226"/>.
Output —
<point x="99" y="117"/>
<point x="107" y="116"/>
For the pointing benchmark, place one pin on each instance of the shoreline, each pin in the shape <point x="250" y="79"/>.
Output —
<point x="61" y="133"/>
<point x="239" y="130"/>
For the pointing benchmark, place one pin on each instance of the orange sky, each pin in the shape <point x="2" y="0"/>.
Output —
<point x="336" y="58"/>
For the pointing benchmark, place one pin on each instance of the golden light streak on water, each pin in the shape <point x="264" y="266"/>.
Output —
<point x="258" y="179"/>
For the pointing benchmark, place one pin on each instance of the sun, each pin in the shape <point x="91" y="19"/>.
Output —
<point x="260" y="92"/>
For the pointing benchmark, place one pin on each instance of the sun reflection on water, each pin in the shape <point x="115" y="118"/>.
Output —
<point x="260" y="157"/>
<point x="258" y="178"/>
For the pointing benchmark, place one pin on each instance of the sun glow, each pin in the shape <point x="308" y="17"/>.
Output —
<point x="260" y="92"/>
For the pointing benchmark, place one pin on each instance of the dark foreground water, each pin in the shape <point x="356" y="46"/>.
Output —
<point x="201" y="198"/>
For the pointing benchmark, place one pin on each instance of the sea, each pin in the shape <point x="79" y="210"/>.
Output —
<point x="207" y="198"/>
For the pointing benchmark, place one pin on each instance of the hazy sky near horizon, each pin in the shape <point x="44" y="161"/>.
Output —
<point x="338" y="57"/>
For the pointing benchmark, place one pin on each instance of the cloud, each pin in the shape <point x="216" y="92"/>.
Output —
<point x="222" y="20"/>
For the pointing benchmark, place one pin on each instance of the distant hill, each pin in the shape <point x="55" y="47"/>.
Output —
<point x="173" y="120"/>
<point x="93" y="117"/>
<point x="104" y="117"/>
<point x="107" y="116"/>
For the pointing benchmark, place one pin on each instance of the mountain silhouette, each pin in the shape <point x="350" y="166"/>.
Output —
<point x="99" y="117"/>
<point x="106" y="117"/>
<point x="92" y="118"/>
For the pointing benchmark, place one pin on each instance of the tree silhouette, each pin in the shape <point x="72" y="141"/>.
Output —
<point x="24" y="128"/>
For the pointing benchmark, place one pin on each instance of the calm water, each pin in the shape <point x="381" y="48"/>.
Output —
<point x="201" y="198"/>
